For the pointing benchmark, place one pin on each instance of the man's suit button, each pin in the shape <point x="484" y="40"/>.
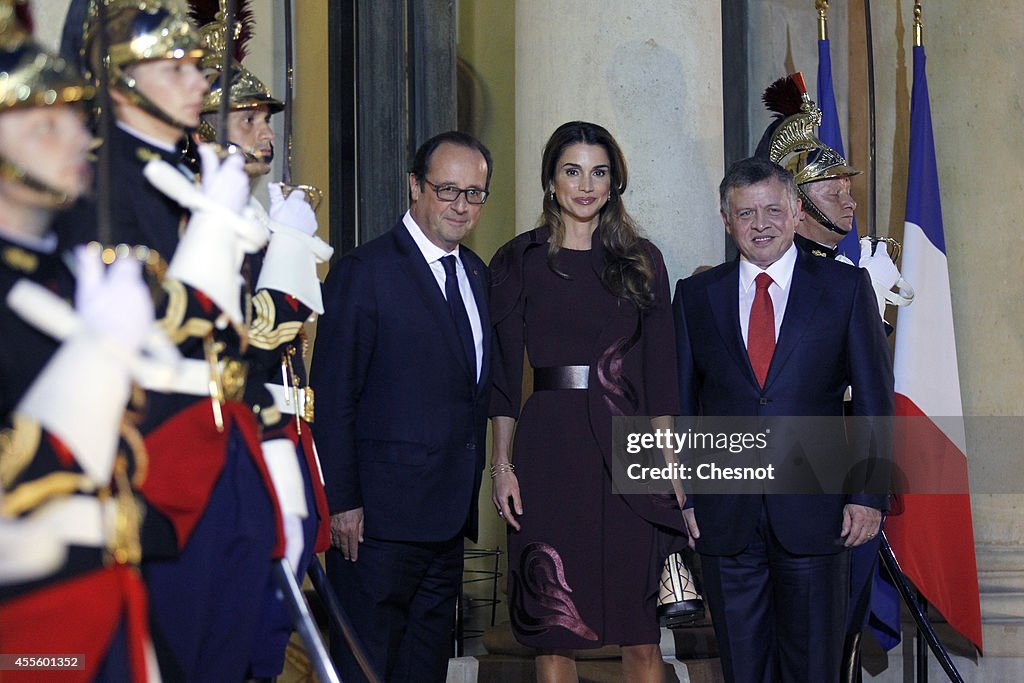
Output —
<point x="470" y="446"/>
<point x="764" y="401"/>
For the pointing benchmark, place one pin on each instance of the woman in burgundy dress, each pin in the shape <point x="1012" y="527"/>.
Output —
<point x="589" y="301"/>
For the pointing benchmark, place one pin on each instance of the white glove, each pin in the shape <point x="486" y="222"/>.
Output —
<point x="210" y="253"/>
<point x="879" y="265"/>
<point x="81" y="393"/>
<point x="882" y="270"/>
<point x="225" y="183"/>
<point x="116" y="303"/>
<point x="289" y="265"/>
<point x="295" y="211"/>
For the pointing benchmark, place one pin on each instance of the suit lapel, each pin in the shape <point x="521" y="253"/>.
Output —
<point x="433" y="299"/>
<point x="724" y="300"/>
<point x="804" y="295"/>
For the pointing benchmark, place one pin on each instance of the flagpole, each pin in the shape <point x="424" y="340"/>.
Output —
<point x="104" y="125"/>
<point x="289" y="94"/>
<point x="872" y="165"/>
<point x="822" y="7"/>
<point x="922" y="654"/>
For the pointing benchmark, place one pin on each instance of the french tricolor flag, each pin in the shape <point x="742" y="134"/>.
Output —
<point x="931" y="534"/>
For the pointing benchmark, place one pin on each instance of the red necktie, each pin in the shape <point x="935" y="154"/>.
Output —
<point x="761" y="330"/>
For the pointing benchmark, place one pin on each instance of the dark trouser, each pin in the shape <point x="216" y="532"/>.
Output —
<point x="778" y="617"/>
<point x="401" y="600"/>
<point x="205" y="604"/>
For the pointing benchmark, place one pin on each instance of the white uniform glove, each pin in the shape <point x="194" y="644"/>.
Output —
<point x="209" y="255"/>
<point x="115" y="303"/>
<point x="282" y="462"/>
<point x="882" y="270"/>
<point x="290" y="262"/>
<point x="81" y="393"/>
<point x="225" y="183"/>
<point x="293" y="211"/>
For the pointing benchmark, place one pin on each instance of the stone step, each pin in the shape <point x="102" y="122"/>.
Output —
<point x="510" y="669"/>
<point x="691" y="656"/>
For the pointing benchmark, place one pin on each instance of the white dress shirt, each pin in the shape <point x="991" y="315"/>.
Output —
<point x="433" y="255"/>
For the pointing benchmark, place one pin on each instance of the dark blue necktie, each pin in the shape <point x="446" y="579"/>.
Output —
<point x="458" y="310"/>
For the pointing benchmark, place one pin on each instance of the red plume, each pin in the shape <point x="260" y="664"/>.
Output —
<point x="785" y="96"/>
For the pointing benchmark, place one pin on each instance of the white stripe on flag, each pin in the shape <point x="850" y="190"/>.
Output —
<point x="925" y="357"/>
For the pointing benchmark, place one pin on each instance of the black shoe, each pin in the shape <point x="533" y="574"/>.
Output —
<point x="676" y="614"/>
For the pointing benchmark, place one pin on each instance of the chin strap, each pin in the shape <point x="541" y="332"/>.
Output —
<point x="207" y="133"/>
<point x="11" y="171"/>
<point x="127" y="85"/>
<point x="817" y="214"/>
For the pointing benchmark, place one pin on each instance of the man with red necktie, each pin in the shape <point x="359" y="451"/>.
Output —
<point x="779" y="334"/>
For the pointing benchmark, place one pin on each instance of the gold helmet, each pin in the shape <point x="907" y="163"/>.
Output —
<point x="139" y="31"/>
<point x="790" y="141"/>
<point x="32" y="77"/>
<point x="246" y="91"/>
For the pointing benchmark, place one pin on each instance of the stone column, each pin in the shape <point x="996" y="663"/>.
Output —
<point x="650" y="72"/>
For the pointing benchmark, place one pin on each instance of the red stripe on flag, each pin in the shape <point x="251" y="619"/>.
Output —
<point x="933" y="539"/>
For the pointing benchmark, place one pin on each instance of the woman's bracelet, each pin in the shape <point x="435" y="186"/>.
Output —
<point x="502" y="467"/>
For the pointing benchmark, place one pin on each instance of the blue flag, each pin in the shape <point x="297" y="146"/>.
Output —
<point x="831" y="135"/>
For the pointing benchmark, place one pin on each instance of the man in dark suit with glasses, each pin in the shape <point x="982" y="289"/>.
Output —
<point x="402" y="382"/>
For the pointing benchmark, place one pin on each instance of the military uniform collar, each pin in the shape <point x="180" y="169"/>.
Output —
<point x="145" y="148"/>
<point x="814" y="248"/>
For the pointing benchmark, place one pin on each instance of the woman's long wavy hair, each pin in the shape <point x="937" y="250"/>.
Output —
<point x="627" y="272"/>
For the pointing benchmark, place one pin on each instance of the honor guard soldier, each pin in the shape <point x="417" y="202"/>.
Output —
<point x="69" y="517"/>
<point x="823" y="182"/>
<point x="213" y="523"/>
<point x="286" y="285"/>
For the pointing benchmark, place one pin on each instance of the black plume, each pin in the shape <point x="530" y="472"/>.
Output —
<point x="785" y="95"/>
